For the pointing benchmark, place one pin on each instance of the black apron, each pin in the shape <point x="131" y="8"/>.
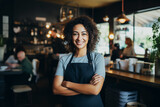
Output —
<point x="81" y="73"/>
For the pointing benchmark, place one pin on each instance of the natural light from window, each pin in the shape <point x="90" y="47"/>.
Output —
<point x="103" y="44"/>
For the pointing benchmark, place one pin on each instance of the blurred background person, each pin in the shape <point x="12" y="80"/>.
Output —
<point x="26" y="66"/>
<point x="12" y="60"/>
<point x="115" y="52"/>
<point x="129" y="50"/>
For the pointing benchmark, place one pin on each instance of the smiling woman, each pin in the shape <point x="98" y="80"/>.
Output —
<point x="80" y="74"/>
<point x="80" y="37"/>
<point x="88" y="26"/>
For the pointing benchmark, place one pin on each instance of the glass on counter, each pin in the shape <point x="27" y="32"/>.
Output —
<point x="134" y="65"/>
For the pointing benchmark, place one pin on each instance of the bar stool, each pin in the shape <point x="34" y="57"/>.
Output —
<point x="22" y="95"/>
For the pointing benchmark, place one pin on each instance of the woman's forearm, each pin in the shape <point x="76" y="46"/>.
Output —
<point x="59" y="89"/>
<point x="64" y="91"/>
<point x="85" y="88"/>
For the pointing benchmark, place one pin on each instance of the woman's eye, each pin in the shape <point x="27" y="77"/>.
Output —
<point x="84" y="34"/>
<point x="75" y="34"/>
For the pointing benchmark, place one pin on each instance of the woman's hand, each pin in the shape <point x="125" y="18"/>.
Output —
<point x="96" y="79"/>
<point x="65" y="83"/>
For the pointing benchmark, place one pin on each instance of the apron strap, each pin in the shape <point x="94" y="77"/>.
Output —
<point x="88" y="56"/>
<point x="71" y="59"/>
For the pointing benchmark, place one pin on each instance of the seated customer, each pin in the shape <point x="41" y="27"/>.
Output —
<point x="26" y="67"/>
<point x="12" y="60"/>
<point x="25" y="64"/>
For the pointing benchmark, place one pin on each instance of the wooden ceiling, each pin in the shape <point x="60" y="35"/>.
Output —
<point x="83" y="3"/>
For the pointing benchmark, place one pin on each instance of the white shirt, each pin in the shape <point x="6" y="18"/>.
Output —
<point x="11" y="60"/>
<point x="129" y="51"/>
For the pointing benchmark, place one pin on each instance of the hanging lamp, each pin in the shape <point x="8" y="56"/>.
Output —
<point x="122" y="18"/>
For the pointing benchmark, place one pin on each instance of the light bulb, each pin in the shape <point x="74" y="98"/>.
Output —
<point x="106" y="18"/>
<point x="122" y="20"/>
<point x="47" y="26"/>
<point x="50" y="32"/>
<point x="58" y="35"/>
<point x="48" y="35"/>
<point x="111" y="36"/>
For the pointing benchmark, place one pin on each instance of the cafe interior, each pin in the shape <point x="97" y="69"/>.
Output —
<point x="37" y="26"/>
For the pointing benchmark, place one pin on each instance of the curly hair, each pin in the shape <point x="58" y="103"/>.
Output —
<point x="90" y="27"/>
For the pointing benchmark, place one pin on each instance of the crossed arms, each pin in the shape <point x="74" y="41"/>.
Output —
<point x="68" y="88"/>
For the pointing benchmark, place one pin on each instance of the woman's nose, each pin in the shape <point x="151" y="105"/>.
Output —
<point x="79" y="37"/>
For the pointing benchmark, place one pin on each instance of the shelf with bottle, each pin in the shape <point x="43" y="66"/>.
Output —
<point x="32" y="41"/>
<point x="124" y="27"/>
<point x="30" y="33"/>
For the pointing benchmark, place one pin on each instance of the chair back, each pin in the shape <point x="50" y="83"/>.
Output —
<point x="35" y="64"/>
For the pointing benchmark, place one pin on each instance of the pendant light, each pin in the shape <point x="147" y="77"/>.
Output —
<point x="122" y="18"/>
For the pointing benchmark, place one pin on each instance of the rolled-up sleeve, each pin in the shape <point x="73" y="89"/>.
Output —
<point x="99" y="65"/>
<point x="60" y="68"/>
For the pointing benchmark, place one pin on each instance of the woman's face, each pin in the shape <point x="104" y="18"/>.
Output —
<point x="126" y="42"/>
<point x="80" y="36"/>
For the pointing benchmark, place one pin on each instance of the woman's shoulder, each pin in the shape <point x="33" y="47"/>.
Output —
<point x="65" y="57"/>
<point x="96" y="55"/>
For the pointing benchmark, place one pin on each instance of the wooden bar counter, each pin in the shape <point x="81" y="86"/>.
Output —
<point x="134" y="77"/>
<point x="148" y="87"/>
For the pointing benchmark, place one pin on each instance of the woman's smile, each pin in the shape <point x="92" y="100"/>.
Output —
<point x="79" y="42"/>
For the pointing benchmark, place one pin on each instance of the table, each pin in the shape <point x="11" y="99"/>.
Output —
<point x="2" y="80"/>
<point x="11" y="72"/>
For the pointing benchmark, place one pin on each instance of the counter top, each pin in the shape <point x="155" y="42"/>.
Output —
<point x="132" y="77"/>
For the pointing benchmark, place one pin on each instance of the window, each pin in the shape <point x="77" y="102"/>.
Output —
<point x="103" y="44"/>
<point x="139" y="30"/>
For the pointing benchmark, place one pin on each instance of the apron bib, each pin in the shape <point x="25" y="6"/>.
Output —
<point x="81" y="73"/>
